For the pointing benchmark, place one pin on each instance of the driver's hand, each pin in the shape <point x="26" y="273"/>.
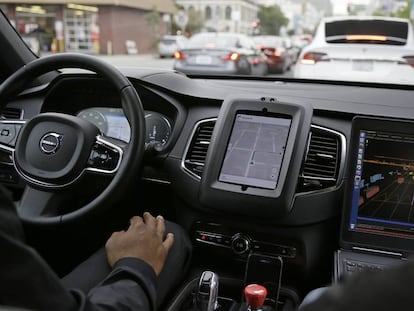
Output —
<point x="143" y="240"/>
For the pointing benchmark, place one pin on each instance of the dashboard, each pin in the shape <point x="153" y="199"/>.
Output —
<point x="242" y="164"/>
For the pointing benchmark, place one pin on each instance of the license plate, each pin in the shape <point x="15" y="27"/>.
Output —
<point x="363" y="65"/>
<point x="203" y="60"/>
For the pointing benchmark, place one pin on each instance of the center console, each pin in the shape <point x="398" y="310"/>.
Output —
<point x="251" y="170"/>
<point x="260" y="290"/>
<point x="241" y="243"/>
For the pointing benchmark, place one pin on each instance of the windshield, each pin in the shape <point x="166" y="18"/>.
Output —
<point x="355" y="40"/>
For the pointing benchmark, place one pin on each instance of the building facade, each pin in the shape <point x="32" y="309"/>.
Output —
<point x="90" y="26"/>
<point x="224" y="15"/>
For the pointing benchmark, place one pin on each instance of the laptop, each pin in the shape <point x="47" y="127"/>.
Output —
<point x="377" y="226"/>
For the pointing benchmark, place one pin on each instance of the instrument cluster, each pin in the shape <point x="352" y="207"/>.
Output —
<point x="113" y="123"/>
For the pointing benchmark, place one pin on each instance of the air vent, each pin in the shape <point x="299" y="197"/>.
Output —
<point x="11" y="113"/>
<point x="323" y="159"/>
<point x="195" y="156"/>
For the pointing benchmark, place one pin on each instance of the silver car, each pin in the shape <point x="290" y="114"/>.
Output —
<point x="220" y="53"/>
<point x="169" y="44"/>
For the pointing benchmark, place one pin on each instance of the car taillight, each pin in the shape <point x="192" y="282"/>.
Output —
<point x="408" y="60"/>
<point x="179" y="55"/>
<point x="311" y="58"/>
<point x="366" y="38"/>
<point x="232" y="56"/>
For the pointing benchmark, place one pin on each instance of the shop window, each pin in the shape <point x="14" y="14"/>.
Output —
<point x="80" y="31"/>
<point x="35" y="23"/>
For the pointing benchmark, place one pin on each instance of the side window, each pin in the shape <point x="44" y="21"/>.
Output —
<point x="228" y="13"/>
<point x="207" y="13"/>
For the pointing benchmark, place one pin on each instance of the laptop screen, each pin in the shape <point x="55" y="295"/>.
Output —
<point x="383" y="192"/>
<point x="379" y="206"/>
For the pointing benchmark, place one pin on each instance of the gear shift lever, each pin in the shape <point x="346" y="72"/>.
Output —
<point x="207" y="292"/>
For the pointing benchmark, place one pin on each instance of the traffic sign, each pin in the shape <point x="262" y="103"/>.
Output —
<point x="181" y="19"/>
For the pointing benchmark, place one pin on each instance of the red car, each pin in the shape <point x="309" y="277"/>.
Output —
<point x="278" y="52"/>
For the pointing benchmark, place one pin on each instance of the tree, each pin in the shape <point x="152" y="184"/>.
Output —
<point x="195" y="21"/>
<point x="271" y="20"/>
<point x="154" y="20"/>
<point x="404" y="12"/>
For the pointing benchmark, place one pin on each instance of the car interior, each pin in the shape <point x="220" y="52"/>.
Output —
<point x="293" y="184"/>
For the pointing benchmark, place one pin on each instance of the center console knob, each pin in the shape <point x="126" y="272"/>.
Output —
<point x="255" y="296"/>
<point x="240" y="244"/>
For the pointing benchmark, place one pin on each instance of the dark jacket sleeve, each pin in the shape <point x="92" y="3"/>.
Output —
<point x="130" y="286"/>
<point x="26" y="281"/>
<point x="10" y="224"/>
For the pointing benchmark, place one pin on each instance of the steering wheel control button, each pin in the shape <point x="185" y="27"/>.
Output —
<point x="103" y="158"/>
<point x="50" y="143"/>
<point x="7" y="133"/>
<point x="17" y="128"/>
<point x="240" y="244"/>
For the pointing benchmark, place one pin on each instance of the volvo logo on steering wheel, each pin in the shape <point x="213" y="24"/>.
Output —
<point x="50" y="142"/>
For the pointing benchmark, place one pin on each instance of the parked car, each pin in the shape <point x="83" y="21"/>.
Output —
<point x="359" y="48"/>
<point x="280" y="54"/>
<point x="220" y="53"/>
<point x="169" y="44"/>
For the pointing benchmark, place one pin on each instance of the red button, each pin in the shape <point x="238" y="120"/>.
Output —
<point x="255" y="295"/>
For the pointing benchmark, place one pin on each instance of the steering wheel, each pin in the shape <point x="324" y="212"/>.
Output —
<point x="51" y="152"/>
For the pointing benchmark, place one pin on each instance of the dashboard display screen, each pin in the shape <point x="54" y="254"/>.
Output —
<point x="383" y="184"/>
<point x="118" y="127"/>
<point x="255" y="150"/>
